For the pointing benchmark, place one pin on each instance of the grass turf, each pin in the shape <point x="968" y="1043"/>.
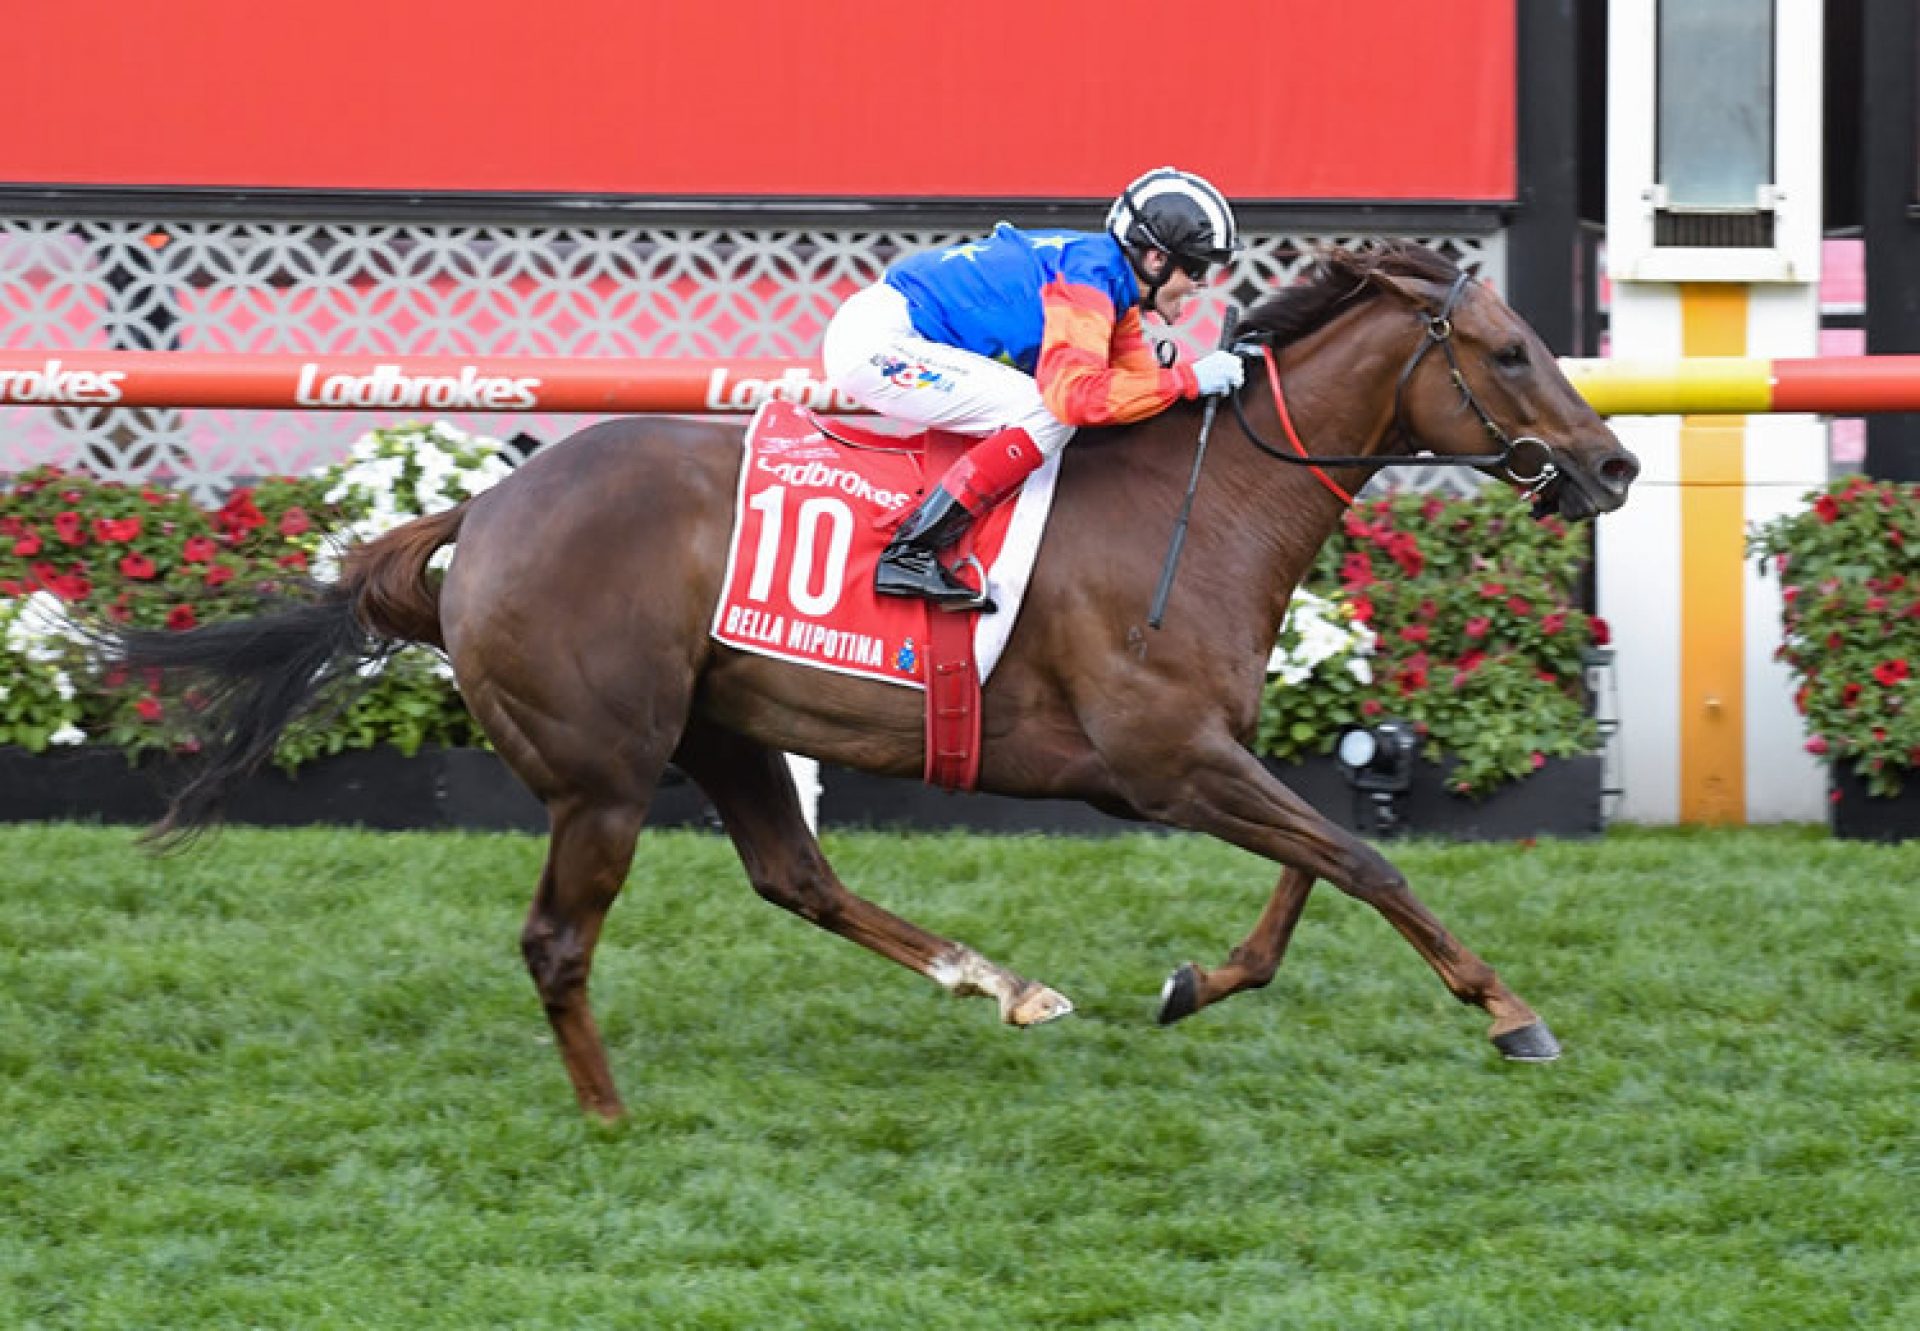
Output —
<point x="299" y="1079"/>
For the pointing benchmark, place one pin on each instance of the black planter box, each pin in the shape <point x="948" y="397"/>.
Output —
<point x="471" y="788"/>
<point x="375" y="788"/>
<point x="1859" y="816"/>
<point x="1562" y="799"/>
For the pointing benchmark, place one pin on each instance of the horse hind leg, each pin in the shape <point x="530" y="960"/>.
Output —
<point x="589" y="851"/>
<point x="753" y="792"/>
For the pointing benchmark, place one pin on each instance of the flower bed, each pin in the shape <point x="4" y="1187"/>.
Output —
<point x="1849" y="568"/>
<point x="73" y="547"/>
<point x="1458" y="615"/>
<point x="1461" y="616"/>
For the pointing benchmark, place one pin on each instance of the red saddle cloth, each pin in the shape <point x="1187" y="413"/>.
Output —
<point x="811" y="517"/>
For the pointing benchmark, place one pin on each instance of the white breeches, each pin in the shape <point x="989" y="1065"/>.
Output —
<point x="873" y="356"/>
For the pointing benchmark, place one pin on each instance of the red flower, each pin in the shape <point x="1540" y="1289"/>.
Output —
<point x="1889" y="673"/>
<point x="1817" y="746"/>
<point x="217" y="575"/>
<point x="1371" y="707"/>
<point x="239" y="515"/>
<point x="297" y="559"/>
<point x="1362" y="609"/>
<point x="1472" y="661"/>
<point x="294" y="521"/>
<point x="1416" y="633"/>
<point x="1404" y="550"/>
<point x="70" y="527"/>
<point x="1539" y="760"/>
<point x="137" y="566"/>
<point x="1517" y="605"/>
<point x="198" y="550"/>
<point x="1412" y="677"/>
<point x="1551" y="624"/>
<point x="181" y="617"/>
<point x="1492" y="589"/>
<point x="1826" y="509"/>
<point x="1850" y="695"/>
<point x="150" y="709"/>
<point x="116" y="529"/>
<point x="1477" y="627"/>
<point x="28" y="544"/>
<point x="1356" y="571"/>
<point x="69" y="586"/>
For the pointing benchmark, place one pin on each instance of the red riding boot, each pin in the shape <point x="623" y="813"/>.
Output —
<point x="984" y="475"/>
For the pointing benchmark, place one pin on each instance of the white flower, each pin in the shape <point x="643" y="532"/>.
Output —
<point x="1316" y="632"/>
<point x="68" y="734"/>
<point x="409" y="471"/>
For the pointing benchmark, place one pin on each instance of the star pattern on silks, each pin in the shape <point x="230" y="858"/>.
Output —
<point x="971" y="251"/>
<point x="1048" y="242"/>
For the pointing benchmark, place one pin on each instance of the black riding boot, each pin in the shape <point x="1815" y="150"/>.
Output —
<point x="910" y="565"/>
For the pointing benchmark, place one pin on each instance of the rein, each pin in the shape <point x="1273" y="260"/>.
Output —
<point x="1438" y="332"/>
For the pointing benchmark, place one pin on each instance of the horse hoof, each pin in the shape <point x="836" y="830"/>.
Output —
<point x="1180" y="995"/>
<point x="1038" y="1006"/>
<point x="1529" y="1044"/>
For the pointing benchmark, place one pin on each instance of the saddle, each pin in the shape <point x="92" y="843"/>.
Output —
<point x="816" y="500"/>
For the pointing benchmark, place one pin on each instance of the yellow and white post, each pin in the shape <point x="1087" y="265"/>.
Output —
<point x="1713" y="249"/>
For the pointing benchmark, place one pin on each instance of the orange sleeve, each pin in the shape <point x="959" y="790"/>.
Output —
<point x="1095" y="369"/>
<point x="1131" y="349"/>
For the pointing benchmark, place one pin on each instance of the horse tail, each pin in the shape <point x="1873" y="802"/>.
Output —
<point x="250" y="679"/>
<point x="386" y="579"/>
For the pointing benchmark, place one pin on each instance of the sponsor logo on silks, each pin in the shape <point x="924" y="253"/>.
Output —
<point x="726" y="392"/>
<point x="53" y="384"/>
<point x="390" y="386"/>
<point x="912" y="374"/>
<point x="818" y="475"/>
<point x="905" y="660"/>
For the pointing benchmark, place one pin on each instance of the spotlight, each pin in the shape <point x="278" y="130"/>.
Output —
<point x="1377" y="762"/>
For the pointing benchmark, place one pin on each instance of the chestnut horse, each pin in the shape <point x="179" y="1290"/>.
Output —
<point x="576" y="616"/>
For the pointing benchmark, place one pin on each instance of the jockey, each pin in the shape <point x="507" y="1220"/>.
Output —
<point x="1024" y="337"/>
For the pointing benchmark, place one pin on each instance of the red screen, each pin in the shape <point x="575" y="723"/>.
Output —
<point x="1272" y="99"/>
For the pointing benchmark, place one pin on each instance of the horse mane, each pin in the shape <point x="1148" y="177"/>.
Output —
<point x="1336" y="279"/>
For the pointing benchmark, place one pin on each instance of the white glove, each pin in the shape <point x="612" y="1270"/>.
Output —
<point x="1219" y="372"/>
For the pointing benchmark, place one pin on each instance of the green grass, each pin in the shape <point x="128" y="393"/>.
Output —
<point x="301" y="1080"/>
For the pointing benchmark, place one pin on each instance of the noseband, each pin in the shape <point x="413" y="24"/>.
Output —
<point x="1438" y="333"/>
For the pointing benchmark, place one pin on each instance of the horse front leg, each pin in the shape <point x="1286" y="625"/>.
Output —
<point x="1222" y="790"/>
<point x="1250" y="965"/>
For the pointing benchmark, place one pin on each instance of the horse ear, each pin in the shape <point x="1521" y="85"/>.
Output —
<point x="1417" y="291"/>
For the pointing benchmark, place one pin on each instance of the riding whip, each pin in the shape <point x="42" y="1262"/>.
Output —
<point x="1229" y="322"/>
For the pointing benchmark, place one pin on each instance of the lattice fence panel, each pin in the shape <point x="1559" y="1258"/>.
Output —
<point x="450" y="289"/>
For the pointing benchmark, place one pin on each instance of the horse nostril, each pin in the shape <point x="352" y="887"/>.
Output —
<point x="1618" y="471"/>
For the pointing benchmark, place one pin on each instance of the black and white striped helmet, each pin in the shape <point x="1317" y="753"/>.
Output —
<point x="1175" y="211"/>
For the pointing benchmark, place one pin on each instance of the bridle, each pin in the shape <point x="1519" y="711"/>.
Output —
<point x="1438" y="332"/>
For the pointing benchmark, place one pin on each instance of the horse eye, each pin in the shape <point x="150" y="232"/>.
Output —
<point x="1513" y="355"/>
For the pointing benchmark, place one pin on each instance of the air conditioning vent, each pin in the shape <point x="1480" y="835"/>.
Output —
<point x="1719" y="230"/>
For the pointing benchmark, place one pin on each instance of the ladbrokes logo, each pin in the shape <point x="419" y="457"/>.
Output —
<point x="820" y="476"/>
<point x="389" y="386"/>
<point x="727" y="393"/>
<point x="53" y="384"/>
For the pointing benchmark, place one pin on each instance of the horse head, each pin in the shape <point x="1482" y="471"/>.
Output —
<point x="1479" y="382"/>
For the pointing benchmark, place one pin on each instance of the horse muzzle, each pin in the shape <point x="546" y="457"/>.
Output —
<point x="1582" y="487"/>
